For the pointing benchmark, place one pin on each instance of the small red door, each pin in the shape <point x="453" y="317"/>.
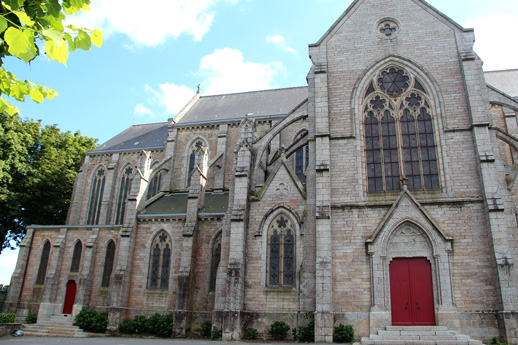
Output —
<point x="411" y="292"/>
<point x="70" y="297"/>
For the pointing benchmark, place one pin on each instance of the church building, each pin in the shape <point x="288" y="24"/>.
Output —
<point x="380" y="195"/>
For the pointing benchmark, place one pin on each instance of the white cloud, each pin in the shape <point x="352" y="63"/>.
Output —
<point x="280" y="41"/>
<point x="175" y="97"/>
<point x="150" y="22"/>
<point x="142" y="111"/>
<point x="493" y="43"/>
<point x="7" y="265"/>
<point x="225" y="71"/>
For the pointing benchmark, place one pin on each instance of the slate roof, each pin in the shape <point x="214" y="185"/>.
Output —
<point x="176" y="204"/>
<point x="505" y="81"/>
<point x="237" y="105"/>
<point x="137" y="137"/>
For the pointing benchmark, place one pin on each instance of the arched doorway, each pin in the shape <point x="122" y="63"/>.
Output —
<point x="70" y="297"/>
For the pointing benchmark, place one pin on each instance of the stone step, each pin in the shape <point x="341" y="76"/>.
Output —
<point x="418" y="335"/>
<point x="57" y="329"/>
<point x="367" y="341"/>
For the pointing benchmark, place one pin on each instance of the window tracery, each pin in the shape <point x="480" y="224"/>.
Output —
<point x="399" y="133"/>
<point x="192" y="159"/>
<point x="281" y="252"/>
<point x="160" y="262"/>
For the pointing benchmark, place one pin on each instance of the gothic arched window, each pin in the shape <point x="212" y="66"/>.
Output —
<point x="216" y="258"/>
<point x="44" y="261"/>
<point x="399" y="134"/>
<point x="281" y="252"/>
<point x="301" y="157"/>
<point x="154" y="185"/>
<point x="160" y="262"/>
<point x="76" y="257"/>
<point x="124" y="189"/>
<point x="192" y="159"/>
<point x="96" y="197"/>
<point x="108" y="263"/>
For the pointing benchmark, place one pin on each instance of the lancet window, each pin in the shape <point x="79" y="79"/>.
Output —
<point x="124" y="188"/>
<point x="281" y="252"/>
<point x="154" y="185"/>
<point x="44" y="261"/>
<point x="96" y="197"/>
<point x="216" y="258"/>
<point x="108" y="264"/>
<point x="192" y="159"/>
<point x="76" y="257"/>
<point x="160" y="262"/>
<point x="399" y="133"/>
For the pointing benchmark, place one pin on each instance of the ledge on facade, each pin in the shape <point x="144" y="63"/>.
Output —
<point x="80" y="226"/>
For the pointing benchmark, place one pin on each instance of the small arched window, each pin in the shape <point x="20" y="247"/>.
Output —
<point x="125" y="185"/>
<point x="44" y="261"/>
<point x="154" y="185"/>
<point x="76" y="257"/>
<point x="160" y="262"/>
<point x="192" y="159"/>
<point x="216" y="258"/>
<point x="108" y="263"/>
<point x="96" y="196"/>
<point x="281" y="252"/>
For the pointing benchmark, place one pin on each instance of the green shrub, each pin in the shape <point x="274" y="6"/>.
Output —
<point x="205" y="329"/>
<point x="305" y="334"/>
<point x="495" y="341"/>
<point x="31" y="318"/>
<point x="138" y="325"/>
<point x="279" y="330"/>
<point x="7" y="318"/>
<point x="344" y="334"/>
<point x="161" y="325"/>
<point x="215" y="333"/>
<point x="251" y="334"/>
<point x="92" y="321"/>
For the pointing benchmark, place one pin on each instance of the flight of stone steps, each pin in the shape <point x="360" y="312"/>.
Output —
<point x="57" y="326"/>
<point x="418" y="335"/>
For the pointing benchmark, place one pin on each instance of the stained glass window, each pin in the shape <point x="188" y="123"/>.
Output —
<point x="124" y="188"/>
<point x="281" y="252"/>
<point x="42" y="270"/>
<point x="108" y="264"/>
<point x="160" y="262"/>
<point x="96" y="197"/>
<point x="399" y="143"/>
<point x="76" y="257"/>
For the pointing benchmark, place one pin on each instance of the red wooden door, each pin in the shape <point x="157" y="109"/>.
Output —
<point x="411" y="292"/>
<point x="70" y="297"/>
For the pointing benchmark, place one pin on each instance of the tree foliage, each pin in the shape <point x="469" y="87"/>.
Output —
<point x="38" y="165"/>
<point x="28" y="25"/>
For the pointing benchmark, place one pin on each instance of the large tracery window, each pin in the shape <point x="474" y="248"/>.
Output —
<point x="44" y="261"/>
<point x="399" y="134"/>
<point x="281" y="252"/>
<point x="124" y="189"/>
<point x="160" y="262"/>
<point x="76" y="257"/>
<point x="192" y="159"/>
<point x="108" y="264"/>
<point x="96" y="197"/>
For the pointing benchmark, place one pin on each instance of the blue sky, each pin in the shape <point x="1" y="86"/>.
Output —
<point x="156" y="52"/>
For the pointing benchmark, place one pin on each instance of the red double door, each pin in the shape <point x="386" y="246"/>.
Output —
<point x="411" y="292"/>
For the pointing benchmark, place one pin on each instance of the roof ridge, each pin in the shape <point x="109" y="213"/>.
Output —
<point x="502" y="70"/>
<point x="255" y="91"/>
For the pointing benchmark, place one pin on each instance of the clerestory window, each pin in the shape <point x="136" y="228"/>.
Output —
<point x="154" y="185"/>
<point x="399" y="133"/>
<point x="124" y="188"/>
<point x="96" y="197"/>
<point x="192" y="159"/>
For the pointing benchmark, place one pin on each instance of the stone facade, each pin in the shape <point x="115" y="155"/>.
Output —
<point x="292" y="204"/>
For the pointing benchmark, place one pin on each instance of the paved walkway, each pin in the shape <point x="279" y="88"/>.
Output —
<point x="114" y="341"/>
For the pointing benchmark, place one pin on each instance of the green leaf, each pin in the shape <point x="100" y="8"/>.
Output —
<point x="71" y="44"/>
<point x="19" y="91"/>
<point x="97" y="38"/>
<point x="24" y="18"/>
<point x="36" y="95"/>
<point x="83" y="41"/>
<point x="3" y="24"/>
<point x="13" y="4"/>
<point x="53" y="35"/>
<point x="55" y="23"/>
<point x="57" y="53"/>
<point x="53" y="7"/>
<point x="6" y="106"/>
<point x="21" y="44"/>
<point x="71" y="9"/>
